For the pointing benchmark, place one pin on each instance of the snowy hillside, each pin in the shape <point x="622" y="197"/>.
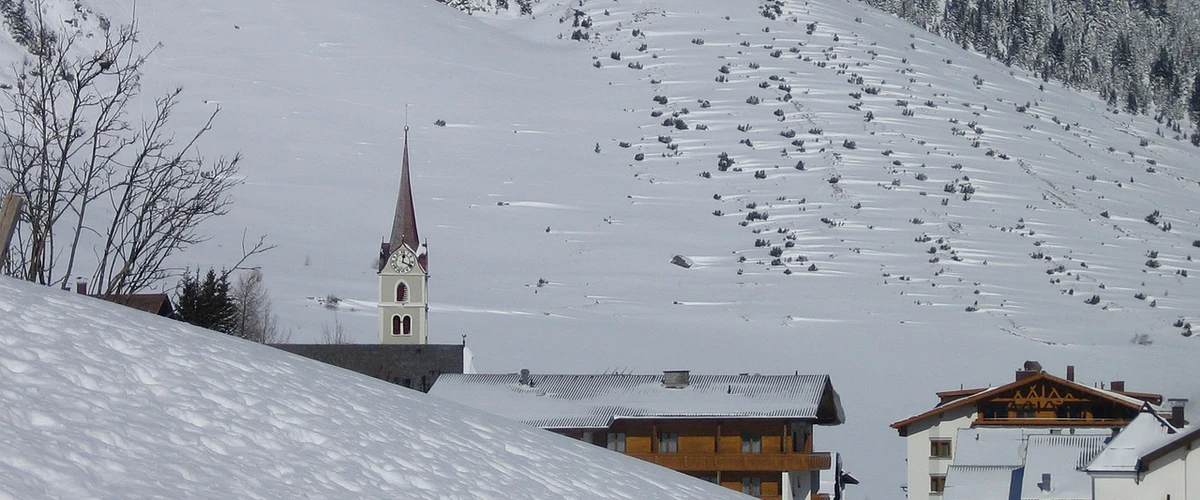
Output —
<point x="956" y="213"/>
<point x="101" y="401"/>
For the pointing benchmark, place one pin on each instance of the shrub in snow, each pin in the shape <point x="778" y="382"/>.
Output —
<point x="616" y="56"/>
<point x="639" y="157"/>
<point x="752" y="100"/>
<point x="1095" y="299"/>
<point x="440" y="123"/>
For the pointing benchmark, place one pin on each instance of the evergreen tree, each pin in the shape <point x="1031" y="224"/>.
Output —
<point x="206" y="303"/>
<point x="1194" y="102"/>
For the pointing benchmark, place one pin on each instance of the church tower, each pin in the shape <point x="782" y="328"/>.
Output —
<point x="403" y="272"/>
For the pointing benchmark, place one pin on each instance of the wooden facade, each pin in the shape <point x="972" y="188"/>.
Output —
<point x="1041" y="400"/>
<point x="747" y="455"/>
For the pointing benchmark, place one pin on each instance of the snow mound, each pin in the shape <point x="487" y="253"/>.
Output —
<point x="100" y="401"/>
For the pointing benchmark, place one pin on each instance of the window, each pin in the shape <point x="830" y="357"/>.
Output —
<point x="751" y="443"/>
<point x="939" y="448"/>
<point x="668" y="442"/>
<point x="800" y="435"/>
<point x="401" y="326"/>
<point x="401" y="292"/>
<point x="616" y="441"/>
<point x="937" y="484"/>
<point x="712" y="478"/>
<point x="1026" y="410"/>
<point x="752" y="485"/>
<point x="995" y="411"/>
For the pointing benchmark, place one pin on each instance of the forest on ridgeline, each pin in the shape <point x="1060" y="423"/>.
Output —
<point x="1141" y="56"/>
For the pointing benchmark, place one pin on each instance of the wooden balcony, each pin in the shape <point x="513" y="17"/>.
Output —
<point x="1051" y="422"/>
<point x="711" y="462"/>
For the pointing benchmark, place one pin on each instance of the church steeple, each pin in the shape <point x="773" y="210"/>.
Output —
<point x="404" y="224"/>
<point x="403" y="272"/>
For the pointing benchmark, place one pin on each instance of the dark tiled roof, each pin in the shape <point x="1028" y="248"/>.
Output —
<point x="153" y="303"/>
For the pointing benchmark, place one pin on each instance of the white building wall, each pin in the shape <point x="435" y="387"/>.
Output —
<point x="920" y="465"/>
<point x="1175" y="476"/>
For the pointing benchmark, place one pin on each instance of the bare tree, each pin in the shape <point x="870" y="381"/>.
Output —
<point x="255" y="319"/>
<point x="335" y="335"/>
<point x="130" y="194"/>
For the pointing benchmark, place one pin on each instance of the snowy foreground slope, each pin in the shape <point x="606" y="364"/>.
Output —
<point x="511" y="192"/>
<point x="101" y="401"/>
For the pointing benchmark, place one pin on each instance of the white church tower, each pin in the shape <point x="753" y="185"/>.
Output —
<point x="403" y="273"/>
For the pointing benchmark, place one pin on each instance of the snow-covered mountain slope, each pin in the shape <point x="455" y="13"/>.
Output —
<point x="102" y="401"/>
<point x="551" y="256"/>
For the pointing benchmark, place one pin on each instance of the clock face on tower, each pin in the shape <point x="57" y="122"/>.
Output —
<point x="403" y="261"/>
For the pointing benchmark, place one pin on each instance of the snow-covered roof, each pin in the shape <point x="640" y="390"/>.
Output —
<point x="1000" y="446"/>
<point x="980" y="482"/>
<point x="1143" y="435"/>
<point x="1063" y="457"/>
<point x="594" y="401"/>
<point x="1003" y="461"/>
<point x="102" y="401"/>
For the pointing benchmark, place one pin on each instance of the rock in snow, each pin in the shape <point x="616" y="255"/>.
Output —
<point x="101" y="401"/>
<point x="681" y="261"/>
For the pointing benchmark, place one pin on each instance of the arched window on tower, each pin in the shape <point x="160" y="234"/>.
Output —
<point x="408" y="325"/>
<point x="402" y="292"/>
<point x="397" y="326"/>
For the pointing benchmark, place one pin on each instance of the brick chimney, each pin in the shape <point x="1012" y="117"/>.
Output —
<point x="81" y="287"/>
<point x="1030" y="369"/>
<point x="1071" y="373"/>
<point x="1177" y="416"/>
<point x="1117" y="386"/>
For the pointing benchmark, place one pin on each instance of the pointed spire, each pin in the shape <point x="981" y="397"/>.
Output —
<point x="404" y="226"/>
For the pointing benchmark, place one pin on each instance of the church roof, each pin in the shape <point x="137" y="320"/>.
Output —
<point x="595" y="401"/>
<point x="404" y="224"/>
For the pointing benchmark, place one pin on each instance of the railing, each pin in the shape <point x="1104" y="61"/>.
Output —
<point x="1053" y="422"/>
<point x="701" y="462"/>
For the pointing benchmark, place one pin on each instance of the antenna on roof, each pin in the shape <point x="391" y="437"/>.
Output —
<point x="406" y="117"/>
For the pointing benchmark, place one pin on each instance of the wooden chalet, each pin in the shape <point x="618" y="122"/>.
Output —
<point x="1034" y="400"/>
<point x="751" y="433"/>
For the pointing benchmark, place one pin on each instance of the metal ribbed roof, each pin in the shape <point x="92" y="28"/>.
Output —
<point x="594" y="401"/>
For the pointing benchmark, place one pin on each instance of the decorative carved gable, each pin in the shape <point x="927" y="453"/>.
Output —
<point x="1050" y="401"/>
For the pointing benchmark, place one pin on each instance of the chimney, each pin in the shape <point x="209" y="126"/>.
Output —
<point x="1117" y="386"/>
<point x="676" y="379"/>
<point x="1177" y="416"/>
<point x="1045" y="484"/>
<point x="525" y="380"/>
<point x="1030" y="369"/>
<point x="1071" y="373"/>
<point x="81" y="287"/>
